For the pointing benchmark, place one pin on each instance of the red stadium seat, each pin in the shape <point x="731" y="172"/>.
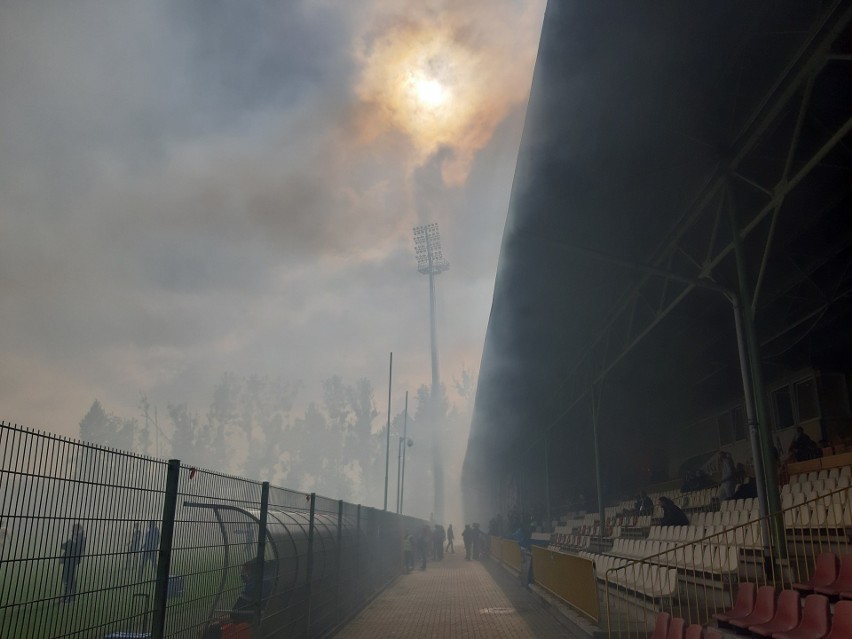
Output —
<point x="841" y="622"/>
<point x="814" y="623"/>
<point x="694" y="631"/>
<point x="712" y="634"/>
<point x="661" y="628"/>
<point x="788" y="614"/>
<point x="825" y="573"/>
<point x="676" y="627"/>
<point x="743" y="605"/>
<point x="764" y="609"/>
<point x="843" y="582"/>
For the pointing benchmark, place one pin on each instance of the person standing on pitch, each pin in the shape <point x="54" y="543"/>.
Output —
<point x="73" y="550"/>
<point x="150" y="545"/>
<point x="450" y="537"/>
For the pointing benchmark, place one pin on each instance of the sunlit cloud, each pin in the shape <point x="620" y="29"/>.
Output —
<point x="444" y="79"/>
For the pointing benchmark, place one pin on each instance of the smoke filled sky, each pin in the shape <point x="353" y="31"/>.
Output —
<point x="198" y="187"/>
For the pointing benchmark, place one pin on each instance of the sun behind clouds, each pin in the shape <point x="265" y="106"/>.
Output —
<point x="428" y="91"/>
<point x="446" y="78"/>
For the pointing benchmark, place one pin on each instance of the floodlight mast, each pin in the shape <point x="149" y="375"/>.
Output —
<point x="431" y="262"/>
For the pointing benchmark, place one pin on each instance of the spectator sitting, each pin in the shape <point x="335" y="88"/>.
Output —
<point x="746" y="490"/>
<point x="672" y="515"/>
<point x="248" y="602"/>
<point x="728" y="472"/>
<point x="803" y="447"/>
<point x="644" y="505"/>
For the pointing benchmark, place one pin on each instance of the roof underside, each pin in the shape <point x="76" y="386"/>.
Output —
<point x="649" y="125"/>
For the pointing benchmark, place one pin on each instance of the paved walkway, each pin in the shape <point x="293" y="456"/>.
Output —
<point x="455" y="598"/>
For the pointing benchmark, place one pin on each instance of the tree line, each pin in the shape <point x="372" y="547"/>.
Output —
<point x="335" y="446"/>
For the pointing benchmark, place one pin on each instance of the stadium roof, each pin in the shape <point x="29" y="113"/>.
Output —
<point x="650" y="125"/>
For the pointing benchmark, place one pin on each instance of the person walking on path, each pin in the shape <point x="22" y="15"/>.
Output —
<point x="476" y="541"/>
<point x="438" y="539"/>
<point x="450" y="537"/>
<point x="150" y="545"/>
<point x="73" y="550"/>
<point x="408" y="551"/>
<point x="467" y="538"/>
<point x="424" y="543"/>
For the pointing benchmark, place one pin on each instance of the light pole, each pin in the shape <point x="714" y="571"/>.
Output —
<point x="400" y="460"/>
<point x="387" y="436"/>
<point x="431" y="262"/>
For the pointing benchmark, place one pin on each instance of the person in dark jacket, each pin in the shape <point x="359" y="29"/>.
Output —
<point x="424" y="545"/>
<point x="438" y="539"/>
<point x="246" y="605"/>
<point x="408" y="550"/>
<point x="644" y="505"/>
<point x="672" y="515"/>
<point x="803" y="447"/>
<point x="467" y="538"/>
<point x="73" y="550"/>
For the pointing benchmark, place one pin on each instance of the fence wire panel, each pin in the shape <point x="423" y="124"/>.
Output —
<point x="71" y="555"/>
<point x="325" y="565"/>
<point x="102" y="544"/>
<point x="350" y="586"/>
<point x="213" y="552"/>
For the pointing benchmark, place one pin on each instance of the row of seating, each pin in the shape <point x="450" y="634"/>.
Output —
<point x="703" y="498"/>
<point x="748" y="504"/>
<point x="667" y="627"/>
<point x="745" y="536"/>
<point x="819" y="486"/>
<point x="832" y="511"/>
<point x="725" y="518"/>
<point x="783" y="616"/>
<point x="648" y="580"/>
<point x="830" y="577"/>
<point x="824" y="513"/>
<point x="564" y="542"/>
<point x="709" y="558"/>
<point x="825" y="473"/>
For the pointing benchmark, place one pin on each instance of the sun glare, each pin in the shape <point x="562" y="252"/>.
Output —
<point x="429" y="92"/>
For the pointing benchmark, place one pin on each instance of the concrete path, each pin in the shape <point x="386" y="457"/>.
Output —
<point x="455" y="598"/>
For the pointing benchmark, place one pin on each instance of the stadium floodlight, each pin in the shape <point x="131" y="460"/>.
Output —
<point x="427" y="247"/>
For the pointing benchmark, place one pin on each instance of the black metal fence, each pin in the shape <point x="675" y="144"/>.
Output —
<point x="102" y="543"/>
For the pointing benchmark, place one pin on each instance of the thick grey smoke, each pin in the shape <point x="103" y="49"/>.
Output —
<point x="206" y="187"/>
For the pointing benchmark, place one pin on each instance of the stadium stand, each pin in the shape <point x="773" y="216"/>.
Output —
<point x="721" y="571"/>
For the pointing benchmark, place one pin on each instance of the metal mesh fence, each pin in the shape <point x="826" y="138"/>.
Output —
<point x="103" y="543"/>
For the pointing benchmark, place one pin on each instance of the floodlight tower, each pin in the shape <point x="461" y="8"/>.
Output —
<point x="431" y="262"/>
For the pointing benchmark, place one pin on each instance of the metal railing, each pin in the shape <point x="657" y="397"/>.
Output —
<point x="694" y="571"/>
<point x="96" y="542"/>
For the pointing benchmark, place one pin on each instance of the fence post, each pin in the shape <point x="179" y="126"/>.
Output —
<point x="309" y="571"/>
<point x="164" y="560"/>
<point x="261" y="552"/>
<point x="358" y="549"/>
<point x="339" y="556"/>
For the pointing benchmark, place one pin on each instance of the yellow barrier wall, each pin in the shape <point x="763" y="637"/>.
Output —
<point x="510" y="554"/>
<point x="570" y="578"/>
<point x="496" y="548"/>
